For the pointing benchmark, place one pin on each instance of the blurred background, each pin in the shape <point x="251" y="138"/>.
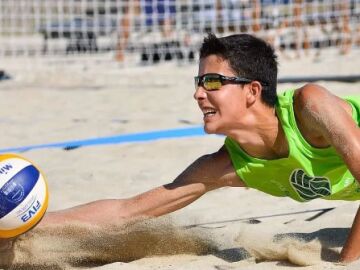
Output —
<point x="143" y="32"/>
<point x="93" y="69"/>
<point x="78" y="70"/>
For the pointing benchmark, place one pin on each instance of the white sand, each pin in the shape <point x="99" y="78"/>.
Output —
<point x="72" y="101"/>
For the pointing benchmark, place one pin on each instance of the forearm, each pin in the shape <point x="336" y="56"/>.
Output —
<point x="163" y="200"/>
<point x="97" y="212"/>
<point x="351" y="249"/>
<point x="156" y="202"/>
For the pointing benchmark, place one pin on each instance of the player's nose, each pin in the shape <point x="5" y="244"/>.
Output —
<point x="200" y="93"/>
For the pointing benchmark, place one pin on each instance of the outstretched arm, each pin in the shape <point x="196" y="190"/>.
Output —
<point x="330" y="117"/>
<point x="205" y="174"/>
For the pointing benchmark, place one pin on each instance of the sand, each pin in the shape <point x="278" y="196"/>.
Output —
<point x="230" y="228"/>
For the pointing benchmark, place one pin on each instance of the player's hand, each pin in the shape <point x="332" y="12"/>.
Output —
<point x="6" y="244"/>
<point x="348" y="256"/>
<point x="6" y="252"/>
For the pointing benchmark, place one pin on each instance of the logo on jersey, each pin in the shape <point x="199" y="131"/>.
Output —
<point x="309" y="187"/>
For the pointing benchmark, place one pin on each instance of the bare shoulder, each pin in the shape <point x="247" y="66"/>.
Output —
<point x="312" y="97"/>
<point x="312" y="101"/>
<point x="318" y="111"/>
<point x="213" y="169"/>
<point x="225" y="169"/>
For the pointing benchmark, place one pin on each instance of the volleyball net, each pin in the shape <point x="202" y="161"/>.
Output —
<point x="150" y="31"/>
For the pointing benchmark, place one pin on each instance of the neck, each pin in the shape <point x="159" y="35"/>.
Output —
<point x="262" y="136"/>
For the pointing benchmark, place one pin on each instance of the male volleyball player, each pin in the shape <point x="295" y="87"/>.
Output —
<point x="304" y="144"/>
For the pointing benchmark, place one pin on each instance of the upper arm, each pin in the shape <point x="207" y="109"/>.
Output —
<point x="330" y="118"/>
<point x="212" y="171"/>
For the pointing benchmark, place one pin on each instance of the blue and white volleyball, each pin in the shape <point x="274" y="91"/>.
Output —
<point x="23" y="195"/>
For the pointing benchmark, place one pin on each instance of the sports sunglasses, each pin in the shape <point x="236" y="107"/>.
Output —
<point x="214" y="81"/>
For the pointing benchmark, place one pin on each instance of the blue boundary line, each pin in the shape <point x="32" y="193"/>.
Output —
<point x="118" y="139"/>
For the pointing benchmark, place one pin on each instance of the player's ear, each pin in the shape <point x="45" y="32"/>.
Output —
<point x="254" y="91"/>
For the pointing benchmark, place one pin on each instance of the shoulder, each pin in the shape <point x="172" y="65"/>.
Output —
<point x="312" y="102"/>
<point x="311" y="94"/>
<point x="308" y="101"/>
<point x="229" y="175"/>
<point x="318" y="112"/>
<point x="215" y="169"/>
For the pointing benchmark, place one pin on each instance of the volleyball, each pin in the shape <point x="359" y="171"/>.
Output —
<point x="23" y="195"/>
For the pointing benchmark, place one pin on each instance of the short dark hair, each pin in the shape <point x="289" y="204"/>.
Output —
<point x="249" y="57"/>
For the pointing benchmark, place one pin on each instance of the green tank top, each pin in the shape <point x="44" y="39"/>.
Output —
<point x="307" y="173"/>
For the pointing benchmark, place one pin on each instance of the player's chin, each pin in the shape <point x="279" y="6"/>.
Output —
<point x="210" y="129"/>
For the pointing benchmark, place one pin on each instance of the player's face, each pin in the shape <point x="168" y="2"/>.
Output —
<point x="224" y="108"/>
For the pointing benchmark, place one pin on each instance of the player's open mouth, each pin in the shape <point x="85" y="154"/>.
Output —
<point x="208" y="112"/>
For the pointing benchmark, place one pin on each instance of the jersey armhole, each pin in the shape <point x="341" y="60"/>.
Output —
<point x="229" y="146"/>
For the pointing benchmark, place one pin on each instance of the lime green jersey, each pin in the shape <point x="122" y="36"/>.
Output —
<point x="307" y="173"/>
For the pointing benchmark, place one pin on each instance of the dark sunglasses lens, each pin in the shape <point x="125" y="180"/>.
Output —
<point x="212" y="82"/>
